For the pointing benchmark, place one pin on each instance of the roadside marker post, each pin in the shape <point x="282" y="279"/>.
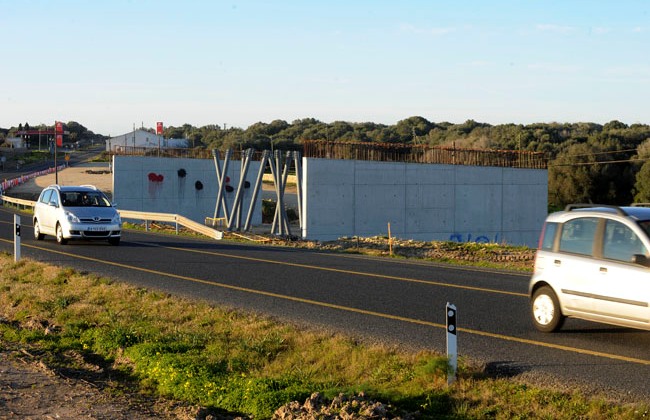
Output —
<point x="452" y="347"/>
<point x="17" y="238"/>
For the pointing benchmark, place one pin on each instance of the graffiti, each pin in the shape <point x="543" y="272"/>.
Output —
<point x="482" y="239"/>
<point x="154" y="177"/>
<point x="155" y="184"/>
<point x="182" y="173"/>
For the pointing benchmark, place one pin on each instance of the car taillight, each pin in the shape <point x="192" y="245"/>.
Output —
<point x="541" y="236"/>
<point x="540" y="241"/>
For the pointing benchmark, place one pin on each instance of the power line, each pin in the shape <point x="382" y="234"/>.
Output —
<point x="599" y="163"/>
<point x="604" y="153"/>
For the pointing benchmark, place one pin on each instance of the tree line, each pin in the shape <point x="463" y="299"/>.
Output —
<point x="587" y="162"/>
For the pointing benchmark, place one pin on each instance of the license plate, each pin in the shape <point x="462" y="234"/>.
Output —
<point x="96" y="229"/>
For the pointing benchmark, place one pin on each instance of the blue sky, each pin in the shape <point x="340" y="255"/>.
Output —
<point x="112" y="64"/>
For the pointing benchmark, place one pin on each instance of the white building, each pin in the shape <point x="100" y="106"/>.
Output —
<point x="15" y="142"/>
<point x="137" y="138"/>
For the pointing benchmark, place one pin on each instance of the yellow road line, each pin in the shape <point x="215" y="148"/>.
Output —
<point x="356" y="310"/>
<point x="338" y="270"/>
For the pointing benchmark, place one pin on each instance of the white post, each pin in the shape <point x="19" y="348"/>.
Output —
<point x="16" y="238"/>
<point x="452" y="347"/>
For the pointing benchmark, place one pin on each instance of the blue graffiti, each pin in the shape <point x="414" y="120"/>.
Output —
<point x="482" y="239"/>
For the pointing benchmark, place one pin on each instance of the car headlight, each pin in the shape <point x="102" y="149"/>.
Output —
<point x="117" y="219"/>
<point x="71" y="217"/>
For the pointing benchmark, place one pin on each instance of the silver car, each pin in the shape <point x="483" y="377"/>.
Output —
<point x="76" y="212"/>
<point x="593" y="263"/>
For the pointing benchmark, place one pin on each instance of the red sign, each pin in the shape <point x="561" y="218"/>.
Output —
<point x="159" y="127"/>
<point x="59" y="127"/>
<point x="59" y="140"/>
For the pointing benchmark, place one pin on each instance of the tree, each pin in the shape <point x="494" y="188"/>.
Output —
<point x="409" y="129"/>
<point x="570" y="176"/>
<point x="642" y="184"/>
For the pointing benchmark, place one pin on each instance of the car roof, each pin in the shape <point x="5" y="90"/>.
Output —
<point x="80" y="188"/>
<point x="636" y="212"/>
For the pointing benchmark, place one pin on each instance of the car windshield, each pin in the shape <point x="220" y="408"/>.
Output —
<point x="84" y="199"/>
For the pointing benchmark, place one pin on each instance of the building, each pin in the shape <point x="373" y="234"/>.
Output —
<point x="15" y="142"/>
<point x="137" y="138"/>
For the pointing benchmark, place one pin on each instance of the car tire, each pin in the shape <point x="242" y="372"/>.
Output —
<point x="545" y="310"/>
<point x="37" y="231"/>
<point x="59" y="235"/>
<point x="114" y="241"/>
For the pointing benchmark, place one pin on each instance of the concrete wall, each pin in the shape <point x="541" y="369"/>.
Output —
<point x="423" y="201"/>
<point x="175" y="185"/>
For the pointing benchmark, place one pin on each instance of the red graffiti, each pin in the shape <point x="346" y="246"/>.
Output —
<point x="153" y="177"/>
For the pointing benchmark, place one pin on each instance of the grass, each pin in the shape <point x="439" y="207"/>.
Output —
<point x="244" y="363"/>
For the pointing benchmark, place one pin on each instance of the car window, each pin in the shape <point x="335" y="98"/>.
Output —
<point x="54" y="198"/>
<point x="578" y="235"/>
<point x="45" y="196"/>
<point x="620" y="242"/>
<point x="548" y="236"/>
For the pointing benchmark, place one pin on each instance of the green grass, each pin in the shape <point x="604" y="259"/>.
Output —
<point x="244" y="363"/>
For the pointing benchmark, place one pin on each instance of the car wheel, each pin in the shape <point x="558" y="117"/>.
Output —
<point x="545" y="309"/>
<point x="37" y="231"/>
<point x="59" y="235"/>
<point x="114" y="241"/>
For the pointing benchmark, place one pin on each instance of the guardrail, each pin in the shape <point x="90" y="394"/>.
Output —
<point x="172" y="218"/>
<point x="18" y="201"/>
<point x="141" y="215"/>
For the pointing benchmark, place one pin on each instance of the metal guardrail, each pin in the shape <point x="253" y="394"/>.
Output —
<point x="18" y="201"/>
<point x="141" y="215"/>
<point x="172" y="218"/>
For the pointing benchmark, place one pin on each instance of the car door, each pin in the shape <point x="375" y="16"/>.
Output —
<point x="622" y="290"/>
<point x="52" y="212"/>
<point x="44" y="212"/>
<point x="574" y="264"/>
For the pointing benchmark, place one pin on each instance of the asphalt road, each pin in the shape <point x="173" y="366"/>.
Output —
<point x="393" y="301"/>
<point x="76" y="156"/>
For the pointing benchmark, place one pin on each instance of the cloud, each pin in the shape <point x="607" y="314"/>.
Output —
<point x="600" y="30"/>
<point x="435" y="31"/>
<point x="558" y="29"/>
<point x="554" y="68"/>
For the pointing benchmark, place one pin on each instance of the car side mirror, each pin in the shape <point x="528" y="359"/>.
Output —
<point x="641" y="260"/>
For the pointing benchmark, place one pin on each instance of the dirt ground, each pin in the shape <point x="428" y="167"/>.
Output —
<point x="31" y="390"/>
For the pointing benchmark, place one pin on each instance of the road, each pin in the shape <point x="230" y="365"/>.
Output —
<point x="76" y="156"/>
<point x="394" y="301"/>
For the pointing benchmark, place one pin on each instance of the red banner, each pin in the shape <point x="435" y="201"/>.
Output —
<point x="59" y="140"/>
<point x="159" y="127"/>
<point x="59" y="127"/>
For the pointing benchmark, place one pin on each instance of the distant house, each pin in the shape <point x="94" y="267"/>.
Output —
<point x="178" y="143"/>
<point x="15" y="142"/>
<point x="143" y="138"/>
<point x="137" y="138"/>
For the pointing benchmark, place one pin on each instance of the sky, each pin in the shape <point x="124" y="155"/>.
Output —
<point x="110" y="65"/>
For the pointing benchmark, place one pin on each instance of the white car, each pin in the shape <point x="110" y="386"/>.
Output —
<point x="76" y="212"/>
<point x="593" y="263"/>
